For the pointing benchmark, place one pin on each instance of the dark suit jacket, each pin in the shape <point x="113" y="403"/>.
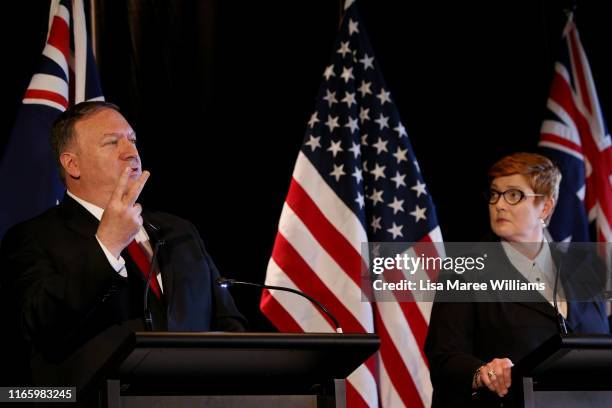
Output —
<point x="63" y="290"/>
<point x="464" y="336"/>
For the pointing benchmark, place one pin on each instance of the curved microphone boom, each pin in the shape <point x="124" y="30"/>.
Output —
<point x="225" y="282"/>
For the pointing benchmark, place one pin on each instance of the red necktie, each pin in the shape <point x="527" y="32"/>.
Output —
<point x="140" y="257"/>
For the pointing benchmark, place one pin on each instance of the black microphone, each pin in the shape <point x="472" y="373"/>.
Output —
<point x="148" y="316"/>
<point x="225" y="282"/>
<point x="560" y="318"/>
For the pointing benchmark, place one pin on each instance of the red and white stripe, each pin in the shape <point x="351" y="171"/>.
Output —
<point x="318" y="250"/>
<point x="52" y="90"/>
<point x="47" y="89"/>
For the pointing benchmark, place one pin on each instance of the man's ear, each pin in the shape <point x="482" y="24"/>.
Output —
<point x="70" y="163"/>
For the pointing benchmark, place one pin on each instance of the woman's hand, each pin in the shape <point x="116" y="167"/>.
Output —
<point x="496" y="376"/>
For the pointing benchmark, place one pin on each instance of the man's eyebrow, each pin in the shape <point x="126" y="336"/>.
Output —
<point x="119" y="134"/>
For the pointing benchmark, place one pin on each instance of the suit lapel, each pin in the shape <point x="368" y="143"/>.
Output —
<point x="507" y="271"/>
<point x="78" y="218"/>
<point x="543" y="307"/>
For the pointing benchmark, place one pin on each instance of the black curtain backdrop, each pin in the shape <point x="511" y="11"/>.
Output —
<point x="220" y="92"/>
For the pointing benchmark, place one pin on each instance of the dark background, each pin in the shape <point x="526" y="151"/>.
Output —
<point x="219" y="93"/>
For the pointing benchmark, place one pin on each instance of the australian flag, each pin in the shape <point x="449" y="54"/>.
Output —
<point x="575" y="136"/>
<point x="29" y="178"/>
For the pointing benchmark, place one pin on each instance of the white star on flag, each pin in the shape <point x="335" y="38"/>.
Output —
<point x="349" y="99"/>
<point x="356" y="149"/>
<point x="332" y="122"/>
<point x="364" y="139"/>
<point x="399" y="179"/>
<point x="419" y="213"/>
<point x="334" y="147"/>
<point x="401" y="130"/>
<point x="384" y="96"/>
<point x="313" y="142"/>
<point x="360" y="200"/>
<point x="364" y="114"/>
<point x="378" y="171"/>
<point x="396" y="205"/>
<point x="376" y="197"/>
<point x="396" y="230"/>
<point x="380" y="146"/>
<point x="352" y="124"/>
<point x="338" y="172"/>
<point x="353" y="27"/>
<point x="313" y="120"/>
<point x="358" y="175"/>
<point x="330" y="98"/>
<point x="383" y="121"/>
<point x="364" y="88"/>
<point x="367" y="62"/>
<point x="375" y="224"/>
<point x="329" y="72"/>
<point x="419" y="188"/>
<point x="344" y="48"/>
<point x="400" y="155"/>
<point x="347" y="74"/>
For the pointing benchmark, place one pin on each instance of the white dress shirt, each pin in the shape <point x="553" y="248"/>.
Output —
<point x="141" y="238"/>
<point x="537" y="270"/>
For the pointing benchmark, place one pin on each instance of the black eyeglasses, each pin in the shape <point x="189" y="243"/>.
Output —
<point x="512" y="196"/>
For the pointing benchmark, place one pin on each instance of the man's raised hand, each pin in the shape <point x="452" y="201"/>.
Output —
<point x="121" y="220"/>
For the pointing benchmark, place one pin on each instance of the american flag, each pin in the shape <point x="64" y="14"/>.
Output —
<point x="356" y="180"/>
<point x="29" y="180"/>
<point x="575" y="136"/>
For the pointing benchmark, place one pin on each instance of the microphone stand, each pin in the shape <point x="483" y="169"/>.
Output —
<point x="148" y="316"/>
<point x="225" y="282"/>
<point x="560" y="318"/>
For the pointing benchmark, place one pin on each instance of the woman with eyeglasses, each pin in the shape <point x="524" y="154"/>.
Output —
<point x="471" y="346"/>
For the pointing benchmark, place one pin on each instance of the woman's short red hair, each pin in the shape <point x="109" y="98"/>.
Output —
<point x="541" y="173"/>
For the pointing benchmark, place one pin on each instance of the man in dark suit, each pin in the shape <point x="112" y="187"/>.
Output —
<point x="83" y="265"/>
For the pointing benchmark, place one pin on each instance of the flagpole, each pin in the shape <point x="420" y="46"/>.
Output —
<point x="344" y="5"/>
<point x="93" y="26"/>
<point x="569" y="11"/>
<point x="341" y="4"/>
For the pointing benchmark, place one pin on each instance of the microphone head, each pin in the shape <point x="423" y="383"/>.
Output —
<point x="152" y="226"/>
<point x="154" y="232"/>
<point x="224" y="282"/>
